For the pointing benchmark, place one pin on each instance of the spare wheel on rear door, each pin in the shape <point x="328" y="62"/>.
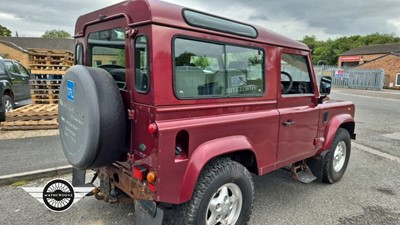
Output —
<point x="92" y="119"/>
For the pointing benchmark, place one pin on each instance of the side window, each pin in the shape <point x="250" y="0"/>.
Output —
<point x="79" y="54"/>
<point x="142" y="81"/>
<point x="295" y="75"/>
<point x="2" y="70"/>
<point x="11" y="68"/>
<point x="245" y="70"/>
<point x="21" y="69"/>
<point x="210" y="70"/>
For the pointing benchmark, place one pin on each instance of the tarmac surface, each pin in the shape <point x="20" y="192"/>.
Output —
<point x="27" y="154"/>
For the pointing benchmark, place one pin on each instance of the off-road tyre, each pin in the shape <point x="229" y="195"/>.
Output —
<point x="92" y="118"/>
<point x="329" y="175"/>
<point x="216" y="174"/>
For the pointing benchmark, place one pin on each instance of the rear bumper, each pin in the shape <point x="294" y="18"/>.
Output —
<point x="117" y="177"/>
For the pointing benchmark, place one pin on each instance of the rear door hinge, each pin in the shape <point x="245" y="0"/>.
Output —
<point x="130" y="32"/>
<point x="131" y="114"/>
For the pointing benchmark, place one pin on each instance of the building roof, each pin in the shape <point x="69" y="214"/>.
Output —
<point x="25" y="43"/>
<point x="374" y="49"/>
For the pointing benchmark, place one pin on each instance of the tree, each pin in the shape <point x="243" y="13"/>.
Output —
<point x="4" y="31"/>
<point x="330" y="50"/>
<point x="201" y="62"/>
<point x="184" y="59"/>
<point x="56" y="34"/>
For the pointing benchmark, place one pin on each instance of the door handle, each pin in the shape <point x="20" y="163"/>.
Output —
<point x="288" y="123"/>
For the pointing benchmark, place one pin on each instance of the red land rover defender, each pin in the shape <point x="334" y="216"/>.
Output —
<point x="175" y="108"/>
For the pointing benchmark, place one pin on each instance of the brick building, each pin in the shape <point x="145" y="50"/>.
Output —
<point x="24" y="49"/>
<point x="385" y="57"/>
<point x="56" y="53"/>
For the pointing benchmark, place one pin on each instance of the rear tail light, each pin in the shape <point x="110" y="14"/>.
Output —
<point x="152" y="129"/>
<point x="139" y="172"/>
<point x="152" y="187"/>
<point x="142" y="173"/>
<point x="151" y="177"/>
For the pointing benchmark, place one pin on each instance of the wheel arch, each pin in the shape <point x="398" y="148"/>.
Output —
<point x="349" y="126"/>
<point x="9" y="92"/>
<point x="238" y="148"/>
<point x="345" y="121"/>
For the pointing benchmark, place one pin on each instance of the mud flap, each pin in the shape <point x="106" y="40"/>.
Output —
<point x="316" y="164"/>
<point x="147" y="213"/>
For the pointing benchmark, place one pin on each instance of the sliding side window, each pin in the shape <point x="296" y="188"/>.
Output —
<point x="213" y="70"/>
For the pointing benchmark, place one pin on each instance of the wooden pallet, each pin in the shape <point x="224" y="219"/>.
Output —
<point x="41" y="71"/>
<point x="48" y="57"/>
<point x="49" y="67"/>
<point x="30" y="125"/>
<point x="32" y="117"/>
<point x="44" y="98"/>
<point x="45" y="91"/>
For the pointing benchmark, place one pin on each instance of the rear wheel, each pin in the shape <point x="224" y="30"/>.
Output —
<point x="223" y="195"/>
<point x="8" y="103"/>
<point x="337" y="157"/>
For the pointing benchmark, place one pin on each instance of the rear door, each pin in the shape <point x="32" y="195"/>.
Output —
<point x="297" y="106"/>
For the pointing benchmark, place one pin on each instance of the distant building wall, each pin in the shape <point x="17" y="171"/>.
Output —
<point x="104" y="59"/>
<point x="355" y="60"/>
<point x="391" y="65"/>
<point x="12" y="53"/>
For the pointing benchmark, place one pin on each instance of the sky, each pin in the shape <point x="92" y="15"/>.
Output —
<point x="292" y="18"/>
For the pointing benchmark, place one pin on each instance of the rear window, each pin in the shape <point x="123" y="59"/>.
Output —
<point x="107" y="51"/>
<point x="213" y="70"/>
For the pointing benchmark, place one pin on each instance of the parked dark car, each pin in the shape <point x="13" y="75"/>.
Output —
<point x="15" y="81"/>
<point x="2" y="109"/>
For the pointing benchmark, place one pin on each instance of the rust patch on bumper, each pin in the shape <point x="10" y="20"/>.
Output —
<point x="120" y="179"/>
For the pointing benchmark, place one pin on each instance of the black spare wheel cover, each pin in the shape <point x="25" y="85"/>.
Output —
<point x="91" y="118"/>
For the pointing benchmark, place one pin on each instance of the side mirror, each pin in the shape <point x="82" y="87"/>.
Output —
<point x="325" y="85"/>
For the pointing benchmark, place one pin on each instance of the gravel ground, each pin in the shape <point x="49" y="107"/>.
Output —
<point x="7" y="135"/>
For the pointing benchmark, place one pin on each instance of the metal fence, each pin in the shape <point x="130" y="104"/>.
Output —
<point x="352" y="78"/>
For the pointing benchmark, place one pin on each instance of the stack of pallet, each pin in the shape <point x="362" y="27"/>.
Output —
<point x="47" y="68"/>
<point x="32" y="117"/>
